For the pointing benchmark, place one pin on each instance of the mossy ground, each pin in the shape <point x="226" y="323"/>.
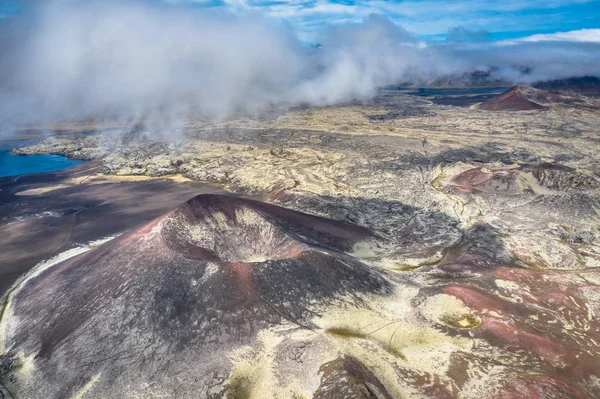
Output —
<point x="463" y="321"/>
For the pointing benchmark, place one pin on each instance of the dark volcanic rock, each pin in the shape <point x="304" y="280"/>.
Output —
<point x="37" y="227"/>
<point x="183" y="289"/>
<point x="346" y="378"/>
<point x="588" y="85"/>
<point x="219" y="228"/>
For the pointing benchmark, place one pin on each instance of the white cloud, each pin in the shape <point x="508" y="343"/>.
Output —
<point x="581" y="35"/>
<point x="321" y="9"/>
<point x="133" y="59"/>
<point x="439" y="7"/>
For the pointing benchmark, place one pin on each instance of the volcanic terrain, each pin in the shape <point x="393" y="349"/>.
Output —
<point x="526" y="98"/>
<point x="395" y="248"/>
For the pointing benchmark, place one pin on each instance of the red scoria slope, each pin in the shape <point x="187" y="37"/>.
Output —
<point x="515" y="99"/>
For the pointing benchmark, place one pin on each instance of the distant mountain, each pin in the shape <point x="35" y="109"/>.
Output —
<point x="588" y="85"/>
<point x="489" y="77"/>
<point x="478" y="78"/>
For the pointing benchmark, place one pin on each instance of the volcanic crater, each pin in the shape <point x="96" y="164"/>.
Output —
<point x="187" y="287"/>
<point x="226" y="229"/>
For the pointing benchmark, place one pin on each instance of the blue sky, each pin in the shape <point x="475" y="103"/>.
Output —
<point x="428" y="19"/>
<point x="431" y="19"/>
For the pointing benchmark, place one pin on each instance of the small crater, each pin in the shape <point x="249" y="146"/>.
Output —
<point x="524" y="179"/>
<point x="462" y="321"/>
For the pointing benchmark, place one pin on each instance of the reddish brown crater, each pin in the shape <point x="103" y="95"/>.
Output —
<point x="229" y="229"/>
<point x="514" y="99"/>
<point x="526" y="178"/>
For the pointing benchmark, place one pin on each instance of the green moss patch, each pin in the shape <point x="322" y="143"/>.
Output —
<point x="345" y="333"/>
<point x="463" y="321"/>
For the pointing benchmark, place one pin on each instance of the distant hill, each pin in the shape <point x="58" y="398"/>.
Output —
<point x="478" y="78"/>
<point x="588" y="85"/>
<point x="518" y="98"/>
<point x="527" y="98"/>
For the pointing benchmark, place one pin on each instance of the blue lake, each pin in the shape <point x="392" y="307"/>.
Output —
<point x="451" y="91"/>
<point x="460" y="97"/>
<point x="14" y="165"/>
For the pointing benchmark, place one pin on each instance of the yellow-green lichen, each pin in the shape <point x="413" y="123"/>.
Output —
<point x="345" y="333"/>
<point x="462" y="321"/>
<point x="239" y="387"/>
